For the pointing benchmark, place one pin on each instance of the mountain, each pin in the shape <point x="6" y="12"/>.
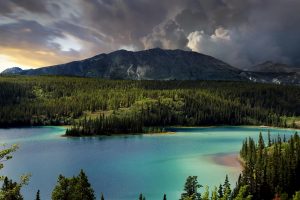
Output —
<point x="270" y="72"/>
<point x="13" y="70"/>
<point x="286" y="78"/>
<point x="152" y="64"/>
<point x="159" y="64"/>
<point x="272" y="67"/>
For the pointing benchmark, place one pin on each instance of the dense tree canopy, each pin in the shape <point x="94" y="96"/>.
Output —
<point x="10" y="190"/>
<point x="95" y="106"/>
<point x="75" y="188"/>
<point x="191" y="188"/>
<point x="271" y="169"/>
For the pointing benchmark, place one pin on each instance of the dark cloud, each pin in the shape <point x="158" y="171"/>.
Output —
<point x="81" y="32"/>
<point x="168" y="35"/>
<point x="32" y="5"/>
<point x="242" y="33"/>
<point x="5" y="7"/>
<point x="24" y="34"/>
<point x="258" y="30"/>
<point x="193" y="20"/>
<point x="125" y="21"/>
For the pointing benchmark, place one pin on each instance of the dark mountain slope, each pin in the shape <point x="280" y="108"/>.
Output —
<point x="152" y="64"/>
<point x="272" y="67"/>
<point x="270" y="72"/>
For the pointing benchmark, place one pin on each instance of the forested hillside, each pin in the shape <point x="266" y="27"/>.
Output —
<point x="271" y="170"/>
<point x="97" y="106"/>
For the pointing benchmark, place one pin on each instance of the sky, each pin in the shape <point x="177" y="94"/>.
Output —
<point x="243" y="33"/>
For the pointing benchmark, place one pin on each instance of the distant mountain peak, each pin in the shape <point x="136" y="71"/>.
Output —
<point x="156" y="49"/>
<point x="273" y="67"/>
<point x="12" y="70"/>
<point x="268" y="62"/>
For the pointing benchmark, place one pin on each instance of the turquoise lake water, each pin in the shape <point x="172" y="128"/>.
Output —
<point x="123" y="166"/>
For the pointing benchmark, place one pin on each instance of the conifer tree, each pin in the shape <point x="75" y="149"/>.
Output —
<point x="141" y="197"/>
<point x="214" y="194"/>
<point x="191" y="189"/>
<point x="38" y="195"/>
<point x="165" y="197"/>
<point x="206" y="194"/>
<point x="226" y="186"/>
<point x="75" y="188"/>
<point x="84" y="187"/>
<point x="102" y="197"/>
<point x="220" y="191"/>
<point x="269" y="139"/>
<point x="243" y="193"/>
<point x="10" y="190"/>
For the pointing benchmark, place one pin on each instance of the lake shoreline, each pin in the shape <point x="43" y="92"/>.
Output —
<point x="229" y="160"/>
<point x="238" y="126"/>
<point x="143" y="160"/>
<point x="111" y="135"/>
<point x="180" y="127"/>
<point x="65" y="127"/>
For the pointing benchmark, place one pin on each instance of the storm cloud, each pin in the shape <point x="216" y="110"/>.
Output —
<point x="37" y="33"/>
<point x="168" y="35"/>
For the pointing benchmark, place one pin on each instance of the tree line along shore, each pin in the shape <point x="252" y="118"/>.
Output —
<point x="95" y="107"/>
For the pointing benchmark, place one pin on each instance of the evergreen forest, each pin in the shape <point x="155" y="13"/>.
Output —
<point x="97" y="107"/>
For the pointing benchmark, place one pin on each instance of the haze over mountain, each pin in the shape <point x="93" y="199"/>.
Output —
<point x="271" y="72"/>
<point x="270" y="66"/>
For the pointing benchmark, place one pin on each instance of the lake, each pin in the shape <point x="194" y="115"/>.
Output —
<point x="122" y="167"/>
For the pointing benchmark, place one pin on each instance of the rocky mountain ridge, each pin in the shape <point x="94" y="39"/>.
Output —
<point x="160" y="64"/>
